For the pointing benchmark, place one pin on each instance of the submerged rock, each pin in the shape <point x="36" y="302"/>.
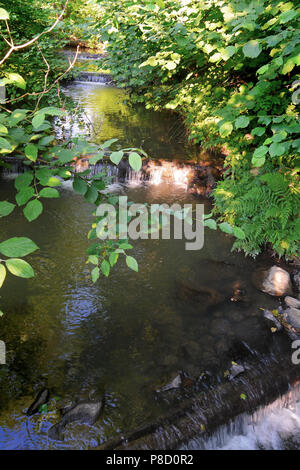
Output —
<point x="292" y="302"/>
<point x="41" y="398"/>
<point x="85" y="413"/>
<point x="269" y="316"/>
<point x="175" y="383"/>
<point x="275" y="281"/>
<point x="235" y="370"/>
<point x="182" y="380"/>
<point x="292" y="315"/>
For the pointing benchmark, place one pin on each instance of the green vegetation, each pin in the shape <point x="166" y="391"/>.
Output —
<point x="27" y="134"/>
<point x="232" y="69"/>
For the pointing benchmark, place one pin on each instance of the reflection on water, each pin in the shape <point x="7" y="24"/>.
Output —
<point x="128" y="335"/>
<point x="111" y="116"/>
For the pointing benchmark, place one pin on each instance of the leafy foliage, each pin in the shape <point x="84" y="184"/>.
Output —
<point x="27" y="134"/>
<point x="232" y="69"/>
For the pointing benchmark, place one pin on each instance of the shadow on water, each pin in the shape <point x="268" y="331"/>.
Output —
<point x="128" y="335"/>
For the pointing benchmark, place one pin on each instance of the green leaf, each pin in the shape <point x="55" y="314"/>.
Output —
<point x="116" y="157"/>
<point x="52" y="111"/>
<point x="24" y="195"/>
<point x="226" y="129"/>
<point x="215" y="57"/>
<point x="252" y="49"/>
<point x="171" y="65"/>
<point x="31" y="152"/>
<point x="5" y="145"/>
<point x="288" y="66"/>
<point x="263" y="69"/>
<point x="287" y="16"/>
<point x="95" y="158"/>
<point x="43" y="408"/>
<point x="210" y="223"/>
<point x="4" y="14"/>
<point x="258" y="158"/>
<point x="135" y="161"/>
<point x="108" y="143"/>
<point x="46" y="140"/>
<point x="3" y="129"/>
<point x="66" y="155"/>
<point x="260" y="151"/>
<point x="132" y="263"/>
<point x="50" y="181"/>
<point x="95" y="274"/>
<point x="6" y="208"/>
<point x="125" y="246"/>
<point x="276" y="149"/>
<point x="17" y="115"/>
<point x="258" y="131"/>
<point x="152" y="61"/>
<point x="226" y="228"/>
<point x="80" y="186"/>
<point x="38" y="120"/>
<point x="241" y="122"/>
<point x="49" y="192"/>
<point x="17" y="80"/>
<point x="239" y="233"/>
<point x="23" y="180"/>
<point x="18" y="247"/>
<point x="20" y="268"/>
<point x="228" y="52"/>
<point x="93" y="259"/>
<point x="33" y="210"/>
<point x="113" y="258"/>
<point x="105" y="267"/>
<point x="2" y="274"/>
<point x="91" y="195"/>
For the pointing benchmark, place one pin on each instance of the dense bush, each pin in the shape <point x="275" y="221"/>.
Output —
<point x="231" y="68"/>
<point x="27" y="19"/>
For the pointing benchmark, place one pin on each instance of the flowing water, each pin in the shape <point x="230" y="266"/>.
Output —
<point x="129" y="335"/>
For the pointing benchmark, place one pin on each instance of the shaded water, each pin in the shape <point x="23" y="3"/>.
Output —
<point x="111" y="116"/>
<point x="128" y="335"/>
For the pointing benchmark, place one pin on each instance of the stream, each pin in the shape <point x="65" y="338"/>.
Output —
<point x="127" y="336"/>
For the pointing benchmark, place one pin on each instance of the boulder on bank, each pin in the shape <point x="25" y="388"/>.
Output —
<point x="274" y="281"/>
<point x="292" y="302"/>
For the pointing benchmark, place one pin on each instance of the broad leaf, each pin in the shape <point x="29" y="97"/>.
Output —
<point x="252" y="49"/>
<point x="135" y="161"/>
<point x="2" y="274"/>
<point x="49" y="193"/>
<point x="132" y="263"/>
<point x="18" y="247"/>
<point x="33" y="210"/>
<point x="6" y="208"/>
<point x="20" y="268"/>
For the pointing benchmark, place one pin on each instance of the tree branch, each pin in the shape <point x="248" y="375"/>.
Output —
<point x="33" y="40"/>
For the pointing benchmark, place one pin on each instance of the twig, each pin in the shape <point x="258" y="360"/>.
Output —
<point x="40" y="94"/>
<point x="33" y="40"/>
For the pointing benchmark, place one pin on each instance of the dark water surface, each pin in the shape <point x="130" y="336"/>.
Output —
<point x="130" y="334"/>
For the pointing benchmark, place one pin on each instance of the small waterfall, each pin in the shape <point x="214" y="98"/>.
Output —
<point x="273" y="427"/>
<point x="219" y="418"/>
<point x="152" y="172"/>
<point x="93" y="78"/>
